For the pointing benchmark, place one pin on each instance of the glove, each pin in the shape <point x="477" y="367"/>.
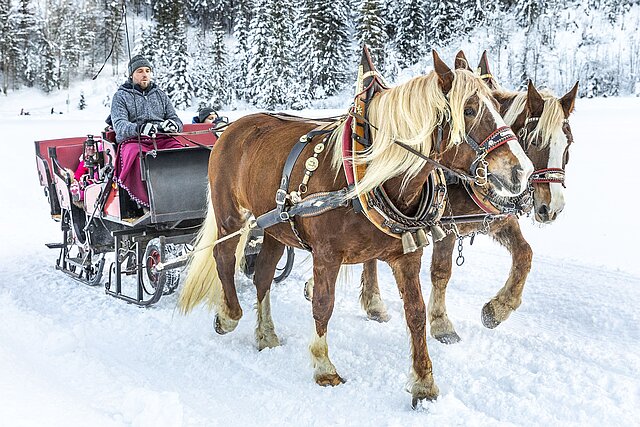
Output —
<point x="169" y="126"/>
<point x="149" y="129"/>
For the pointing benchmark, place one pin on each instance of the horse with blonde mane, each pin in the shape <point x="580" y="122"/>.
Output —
<point x="439" y="117"/>
<point x="541" y="120"/>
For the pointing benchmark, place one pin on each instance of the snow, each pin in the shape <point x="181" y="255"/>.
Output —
<point x="570" y="355"/>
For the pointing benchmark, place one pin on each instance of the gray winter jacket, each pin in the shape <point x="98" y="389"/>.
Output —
<point x="131" y="108"/>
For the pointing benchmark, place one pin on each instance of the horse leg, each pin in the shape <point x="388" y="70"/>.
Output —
<point x="441" y="327"/>
<point x="266" y="264"/>
<point x="325" y="273"/>
<point x="406" y="270"/>
<point x="227" y="316"/>
<point x="370" y="299"/>
<point x="227" y="255"/>
<point x="509" y="298"/>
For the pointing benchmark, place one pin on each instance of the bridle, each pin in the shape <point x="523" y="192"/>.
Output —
<point x="546" y="175"/>
<point x="478" y="171"/>
<point x="498" y="137"/>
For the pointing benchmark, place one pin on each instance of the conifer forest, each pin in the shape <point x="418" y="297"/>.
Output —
<point x="283" y="54"/>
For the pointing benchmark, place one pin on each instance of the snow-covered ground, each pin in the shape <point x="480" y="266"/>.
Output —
<point x="72" y="356"/>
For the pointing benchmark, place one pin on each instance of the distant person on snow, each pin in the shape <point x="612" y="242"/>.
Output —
<point x="141" y="114"/>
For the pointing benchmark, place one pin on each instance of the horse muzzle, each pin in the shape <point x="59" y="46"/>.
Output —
<point x="510" y="184"/>
<point x="544" y="214"/>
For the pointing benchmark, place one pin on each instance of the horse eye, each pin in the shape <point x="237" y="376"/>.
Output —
<point x="469" y="112"/>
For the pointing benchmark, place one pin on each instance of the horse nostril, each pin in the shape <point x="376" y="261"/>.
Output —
<point x="543" y="210"/>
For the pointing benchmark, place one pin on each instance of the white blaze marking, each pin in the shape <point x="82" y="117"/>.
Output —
<point x="514" y="146"/>
<point x="556" y="152"/>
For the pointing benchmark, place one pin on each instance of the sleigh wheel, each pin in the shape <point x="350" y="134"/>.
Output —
<point x="154" y="254"/>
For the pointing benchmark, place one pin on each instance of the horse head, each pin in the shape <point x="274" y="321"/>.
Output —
<point x="479" y="140"/>
<point x="544" y="131"/>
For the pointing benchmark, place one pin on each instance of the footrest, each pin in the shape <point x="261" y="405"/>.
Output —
<point x="54" y="245"/>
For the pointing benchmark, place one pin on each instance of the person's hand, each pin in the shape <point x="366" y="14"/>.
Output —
<point x="169" y="126"/>
<point x="149" y="129"/>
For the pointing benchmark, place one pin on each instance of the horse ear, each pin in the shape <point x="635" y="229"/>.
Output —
<point x="485" y="72"/>
<point x="461" y="62"/>
<point x="568" y="101"/>
<point x="535" y="103"/>
<point x="445" y="75"/>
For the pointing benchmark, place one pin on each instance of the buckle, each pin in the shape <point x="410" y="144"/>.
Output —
<point x="284" y="216"/>
<point x="281" y="196"/>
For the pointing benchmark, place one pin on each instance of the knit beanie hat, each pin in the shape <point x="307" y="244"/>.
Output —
<point x="137" y="62"/>
<point x="204" y="113"/>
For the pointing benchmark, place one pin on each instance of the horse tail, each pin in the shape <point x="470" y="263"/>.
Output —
<point x="202" y="282"/>
<point x="202" y="279"/>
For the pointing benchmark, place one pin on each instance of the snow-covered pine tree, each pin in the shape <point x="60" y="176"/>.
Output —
<point x="212" y="14"/>
<point x="7" y="41"/>
<point x="28" y="37"/>
<point x="113" y="35"/>
<point x="173" y="73"/>
<point x="240" y="64"/>
<point x="445" y="21"/>
<point x="527" y="13"/>
<point x="210" y="71"/>
<point x="145" y="44"/>
<point x="47" y="74"/>
<point x="410" y="32"/>
<point x="62" y="32"/>
<point x="324" y="47"/>
<point x="272" y="79"/>
<point x="392" y="10"/>
<point x="219" y="72"/>
<point x="370" y="30"/>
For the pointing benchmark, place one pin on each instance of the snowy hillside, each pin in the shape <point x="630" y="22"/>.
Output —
<point x="570" y="355"/>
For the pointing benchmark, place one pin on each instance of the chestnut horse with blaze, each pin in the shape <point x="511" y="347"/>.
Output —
<point x="541" y="120"/>
<point x="245" y="172"/>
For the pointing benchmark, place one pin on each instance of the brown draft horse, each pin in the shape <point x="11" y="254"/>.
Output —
<point x="541" y="121"/>
<point x="244" y="173"/>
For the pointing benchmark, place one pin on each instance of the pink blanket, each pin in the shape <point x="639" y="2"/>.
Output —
<point x="128" y="174"/>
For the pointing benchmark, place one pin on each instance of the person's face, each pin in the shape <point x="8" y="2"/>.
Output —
<point x="210" y="118"/>
<point x="142" y="77"/>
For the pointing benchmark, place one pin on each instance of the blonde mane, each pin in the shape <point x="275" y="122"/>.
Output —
<point x="410" y="113"/>
<point x="549" y="127"/>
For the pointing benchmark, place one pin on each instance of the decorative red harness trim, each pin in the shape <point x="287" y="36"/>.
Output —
<point x="498" y="137"/>
<point x="347" y="151"/>
<point x="548" y="175"/>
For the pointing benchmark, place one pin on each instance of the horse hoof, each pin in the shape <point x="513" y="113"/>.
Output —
<point x="489" y="316"/>
<point x="271" y="342"/>
<point x="416" y="400"/>
<point x="218" y="326"/>
<point x="329" y="380"/>
<point x="379" y="317"/>
<point x="449" y="338"/>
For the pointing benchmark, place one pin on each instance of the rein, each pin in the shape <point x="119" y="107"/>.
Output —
<point x="198" y="132"/>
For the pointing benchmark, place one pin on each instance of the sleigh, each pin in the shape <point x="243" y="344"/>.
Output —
<point x="106" y="226"/>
